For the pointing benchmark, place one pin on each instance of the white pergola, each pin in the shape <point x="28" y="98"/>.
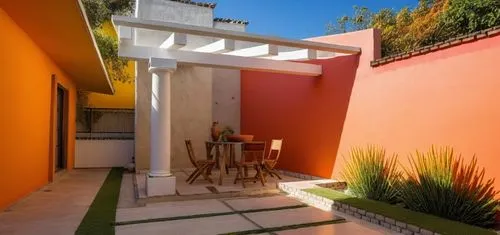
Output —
<point x="221" y="53"/>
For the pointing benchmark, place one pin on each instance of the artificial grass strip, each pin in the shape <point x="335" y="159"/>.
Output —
<point x="426" y="221"/>
<point x="205" y="215"/>
<point x="102" y="212"/>
<point x="286" y="227"/>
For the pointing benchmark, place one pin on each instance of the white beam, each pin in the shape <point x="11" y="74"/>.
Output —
<point x="257" y="51"/>
<point x="228" y="34"/>
<point x="175" y="41"/>
<point x="303" y="54"/>
<point x="125" y="34"/>
<point x="220" y="46"/>
<point x="220" y="60"/>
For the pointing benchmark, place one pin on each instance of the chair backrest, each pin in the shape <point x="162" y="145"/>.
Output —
<point x="275" y="150"/>
<point x="253" y="152"/>
<point x="190" y="150"/>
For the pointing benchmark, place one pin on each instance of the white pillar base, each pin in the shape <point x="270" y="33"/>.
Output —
<point x="160" y="186"/>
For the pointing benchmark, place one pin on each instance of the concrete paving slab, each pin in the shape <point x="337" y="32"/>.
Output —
<point x="262" y="202"/>
<point x="127" y="194"/>
<point x="333" y="229"/>
<point x="199" y="226"/>
<point x="57" y="208"/>
<point x="171" y="209"/>
<point x="279" y="218"/>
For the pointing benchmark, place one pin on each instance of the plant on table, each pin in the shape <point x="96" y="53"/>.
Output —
<point x="439" y="182"/>
<point x="227" y="131"/>
<point x="369" y="174"/>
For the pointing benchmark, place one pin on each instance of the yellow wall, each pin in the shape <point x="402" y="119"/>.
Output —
<point x="124" y="96"/>
<point x="27" y="112"/>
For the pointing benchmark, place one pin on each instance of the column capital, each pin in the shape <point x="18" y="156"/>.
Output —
<point x="162" y="65"/>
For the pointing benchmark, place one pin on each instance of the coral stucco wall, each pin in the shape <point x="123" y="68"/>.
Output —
<point x="308" y="113"/>
<point x="26" y="102"/>
<point x="449" y="97"/>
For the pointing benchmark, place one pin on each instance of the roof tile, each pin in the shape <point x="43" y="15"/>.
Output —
<point x="201" y="4"/>
<point x="231" y="21"/>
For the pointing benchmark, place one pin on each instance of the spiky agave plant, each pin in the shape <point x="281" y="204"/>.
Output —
<point x="369" y="174"/>
<point x="440" y="183"/>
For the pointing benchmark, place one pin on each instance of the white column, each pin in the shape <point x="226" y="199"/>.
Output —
<point x="160" y="181"/>
<point x="160" y="123"/>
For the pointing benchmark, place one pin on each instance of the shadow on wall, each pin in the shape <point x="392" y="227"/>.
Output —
<point x="308" y="113"/>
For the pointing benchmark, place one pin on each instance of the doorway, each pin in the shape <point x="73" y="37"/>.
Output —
<point x="61" y="130"/>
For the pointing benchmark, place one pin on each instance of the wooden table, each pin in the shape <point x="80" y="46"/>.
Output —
<point x="227" y="149"/>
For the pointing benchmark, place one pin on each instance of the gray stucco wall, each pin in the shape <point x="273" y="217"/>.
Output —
<point x="199" y="95"/>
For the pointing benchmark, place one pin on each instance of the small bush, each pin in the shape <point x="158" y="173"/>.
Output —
<point x="440" y="183"/>
<point x="370" y="175"/>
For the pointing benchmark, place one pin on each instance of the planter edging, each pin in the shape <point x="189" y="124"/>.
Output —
<point x="327" y="204"/>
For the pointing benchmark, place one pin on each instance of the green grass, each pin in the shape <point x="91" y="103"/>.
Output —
<point x="429" y="222"/>
<point x="102" y="212"/>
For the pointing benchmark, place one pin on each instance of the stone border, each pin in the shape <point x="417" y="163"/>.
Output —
<point x="330" y="205"/>
<point x="299" y="175"/>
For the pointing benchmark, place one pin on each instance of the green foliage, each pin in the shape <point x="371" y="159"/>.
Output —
<point x="98" y="12"/>
<point x="227" y="131"/>
<point x="108" y="48"/>
<point x="359" y="21"/>
<point x="370" y="175"/>
<point x="467" y="16"/>
<point x="429" y="22"/>
<point x="441" y="184"/>
<point x="426" y="221"/>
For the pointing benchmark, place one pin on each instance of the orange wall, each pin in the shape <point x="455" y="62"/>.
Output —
<point x="449" y="97"/>
<point x="25" y="122"/>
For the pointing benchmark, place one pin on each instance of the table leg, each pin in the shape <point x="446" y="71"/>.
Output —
<point x="222" y="162"/>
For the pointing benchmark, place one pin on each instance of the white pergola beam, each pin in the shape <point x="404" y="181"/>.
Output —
<point x="220" y="60"/>
<point x="175" y="41"/>
<point x="258" y="51"/>
<point x="220" y="46"/>
<point x="303" y="54"/>
<point x="228" y="34"/>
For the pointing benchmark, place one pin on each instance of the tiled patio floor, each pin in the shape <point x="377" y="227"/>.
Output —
<point x="275" y="211"/>
<point x="57" y="208"/>
<point x="202" y="187"/>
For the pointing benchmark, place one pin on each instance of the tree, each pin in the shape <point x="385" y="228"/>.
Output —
<point x="98" y="12"/>
<point x="429" y="22"/>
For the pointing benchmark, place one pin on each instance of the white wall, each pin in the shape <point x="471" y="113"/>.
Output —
<point x="103" y="153"/>
<point x="199" y="95"/>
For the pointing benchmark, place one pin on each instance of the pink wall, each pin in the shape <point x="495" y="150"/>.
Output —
<point x="448" y="97"/>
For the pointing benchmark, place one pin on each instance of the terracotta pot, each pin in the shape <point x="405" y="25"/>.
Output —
<point x="239" y="138"/>
<point x="215" y="131"/>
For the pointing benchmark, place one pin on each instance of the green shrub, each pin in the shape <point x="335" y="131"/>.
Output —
<point x="440" y="183"/>
<point x="370" y="175"/>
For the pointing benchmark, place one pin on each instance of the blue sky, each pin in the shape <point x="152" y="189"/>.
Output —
<point x="295" y="18"/>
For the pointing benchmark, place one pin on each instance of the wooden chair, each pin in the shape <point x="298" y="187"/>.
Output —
<point x="272" y="159"/>
<point x="252" y="155"/>
<point x="203" y="167"/>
